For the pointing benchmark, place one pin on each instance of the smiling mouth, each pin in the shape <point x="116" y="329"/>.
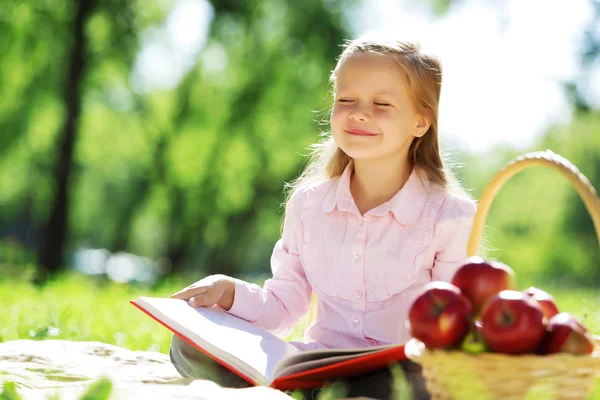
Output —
<point x="358" y="132"/>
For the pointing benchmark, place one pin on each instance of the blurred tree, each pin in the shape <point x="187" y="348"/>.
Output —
<point x="29" y="84"/>
<point x="55" y="230"/>
<point x="42" y="109"/>
<point x="193" y="172"/>
<point x="213" y="151"/>
<point x="583" y="147"/>
<point x="313" y="29"/>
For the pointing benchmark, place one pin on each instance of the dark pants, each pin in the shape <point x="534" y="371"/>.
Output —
<point x="192" y="363"/>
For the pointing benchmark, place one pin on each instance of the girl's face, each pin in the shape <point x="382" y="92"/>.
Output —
<point x="373" y="114"/>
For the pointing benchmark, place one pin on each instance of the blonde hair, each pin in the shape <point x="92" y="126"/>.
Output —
<point x="424" y="76"/>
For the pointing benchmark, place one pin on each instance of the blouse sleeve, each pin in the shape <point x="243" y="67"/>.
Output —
<point x="285" y="297"/>
<point x="452" y="229"/>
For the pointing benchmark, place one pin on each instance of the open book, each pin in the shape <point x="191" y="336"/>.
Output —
<point x="259" y="356"/>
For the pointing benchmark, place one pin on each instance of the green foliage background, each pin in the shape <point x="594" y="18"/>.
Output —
<point x="193" y="174"/>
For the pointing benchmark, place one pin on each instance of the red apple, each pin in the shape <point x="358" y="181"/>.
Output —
<point x="479" y="280"/>
<point x="545" y="299"/>
<point x="440" y="316"/>
<point x="564" y="334"/>
<point x="513" y="323"/>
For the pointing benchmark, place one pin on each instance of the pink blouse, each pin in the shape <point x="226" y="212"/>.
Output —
<point x="365" y="269"/>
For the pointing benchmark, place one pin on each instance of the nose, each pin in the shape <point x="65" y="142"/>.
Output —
<point x="359" y="114"/>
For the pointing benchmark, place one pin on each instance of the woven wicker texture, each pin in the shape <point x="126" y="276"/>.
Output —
<point x="455" y="375"/>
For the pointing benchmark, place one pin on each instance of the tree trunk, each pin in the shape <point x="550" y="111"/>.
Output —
<point x="177" y="246"/>
<point x="56" y="228"/>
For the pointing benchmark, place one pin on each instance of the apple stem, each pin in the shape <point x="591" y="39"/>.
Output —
<point x="439" y="305"/>
<point x="506" y="318"/>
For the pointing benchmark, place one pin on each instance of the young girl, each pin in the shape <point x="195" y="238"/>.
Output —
<point x="373" y="218"/>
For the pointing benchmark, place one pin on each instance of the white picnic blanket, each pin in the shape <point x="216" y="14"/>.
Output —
<point x="40" y="369"/>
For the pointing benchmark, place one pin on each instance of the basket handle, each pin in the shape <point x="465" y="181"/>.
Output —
<point x="544" y="158"/>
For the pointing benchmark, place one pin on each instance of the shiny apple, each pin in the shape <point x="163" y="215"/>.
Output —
<point x="479" y="280"/>
<point x="565" y="334"/>
<point x="440" y="316"/>
<point x="545" y="299"/>
<point x="513" y="323"/>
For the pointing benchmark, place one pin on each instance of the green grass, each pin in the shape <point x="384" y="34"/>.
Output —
<point x="77" y="308"/>
<point x="583" y="303"/>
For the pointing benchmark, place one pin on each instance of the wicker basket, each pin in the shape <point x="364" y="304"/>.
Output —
<point x="459" y="375"/>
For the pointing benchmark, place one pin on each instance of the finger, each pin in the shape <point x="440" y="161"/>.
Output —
<point x="207" y="299"/>
<point x="189" y="292"/>
<point x="202" y="301"/>
<point x="197" y="301"/>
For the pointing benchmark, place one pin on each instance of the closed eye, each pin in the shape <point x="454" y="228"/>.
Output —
<point x="345" y="100"/>
<point x="383" y="104"/>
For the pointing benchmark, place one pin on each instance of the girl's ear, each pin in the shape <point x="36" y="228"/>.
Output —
<point x="422" y="127"/>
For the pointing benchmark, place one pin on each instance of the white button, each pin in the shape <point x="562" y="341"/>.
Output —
<point x="371" y="342"/>
<point x="356" y="258"/>
<point x="355" y="322"/>
<point x="361" y="222"/>
<point x="358" y="295"/>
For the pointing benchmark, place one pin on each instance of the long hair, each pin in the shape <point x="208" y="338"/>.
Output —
<point x="424" y="76"/>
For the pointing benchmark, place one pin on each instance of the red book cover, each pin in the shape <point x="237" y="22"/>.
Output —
<point x="346" y="369"/>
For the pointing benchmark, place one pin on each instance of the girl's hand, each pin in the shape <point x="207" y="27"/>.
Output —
<point x="214" y="289"/>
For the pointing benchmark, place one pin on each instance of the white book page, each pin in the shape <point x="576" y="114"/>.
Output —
<point x="239" y="343"/>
